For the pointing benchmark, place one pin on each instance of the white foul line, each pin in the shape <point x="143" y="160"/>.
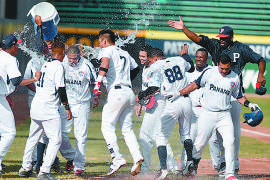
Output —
<point x="255" y="132"/>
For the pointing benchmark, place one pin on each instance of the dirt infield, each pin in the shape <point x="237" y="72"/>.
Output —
<point x="250" y="168"/>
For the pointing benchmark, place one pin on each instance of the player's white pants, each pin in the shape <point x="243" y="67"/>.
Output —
<point x="214" y="149"/>
<point x="119" y="106"/>
<point x="180" y="110"/>
<point x="30" y="99"/>
<point x="7" y="127"/>
<point x="80" y="117"/>
<point x="208" y="123"/>
<point x="235" y="114"/>
<point x="151" y="123"/>
<point x="52" y="128"/>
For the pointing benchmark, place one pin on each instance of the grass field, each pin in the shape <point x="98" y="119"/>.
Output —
<point x="98" y="157"/>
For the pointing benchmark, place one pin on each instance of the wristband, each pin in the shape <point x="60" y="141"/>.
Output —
<point x="66" y="106"/>
<point x="35" y="78"/>
<point x="246" y="103"/>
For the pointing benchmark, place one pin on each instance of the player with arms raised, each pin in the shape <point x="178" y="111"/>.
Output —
<point x="117" y="69"/>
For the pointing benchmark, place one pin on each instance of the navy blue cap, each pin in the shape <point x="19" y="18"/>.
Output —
<point x="225" y="31"/>
<point x="10" y="40"/>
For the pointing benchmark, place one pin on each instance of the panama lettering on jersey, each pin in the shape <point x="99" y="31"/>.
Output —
<point x="220" y="87"/>
<point x="220" y="90"/>
<point x="78" y="80"/>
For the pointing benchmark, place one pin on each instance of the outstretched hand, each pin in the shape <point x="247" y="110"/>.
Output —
<point x="172" y="95"/>
<point x="177" y="24"/>
<point x="184" y="50"/>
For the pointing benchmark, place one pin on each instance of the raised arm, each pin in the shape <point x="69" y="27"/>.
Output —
<point x="261" y="79"/>
<point x="181" y="26"/>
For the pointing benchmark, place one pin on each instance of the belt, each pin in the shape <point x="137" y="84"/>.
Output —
<point x="120" y="87"/>
<point x="185" y="95"/>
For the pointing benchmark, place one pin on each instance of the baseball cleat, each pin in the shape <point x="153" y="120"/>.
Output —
<point x="24" y="173"/>
<point x="222" y="169"/>
<point x="164" y="174"/>
<point x="117" y="163"/>
<point x="188" y="168"/>
<point x="79" y="173"/>
<point x="231" y="178"/>
<point x="136" y="168"/>
<point x="3" y="166"/>
<point x="69" y="166"/>
<point x="46" y="176"/>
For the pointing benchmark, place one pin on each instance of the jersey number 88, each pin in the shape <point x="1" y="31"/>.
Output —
<point x="173" y="74"/>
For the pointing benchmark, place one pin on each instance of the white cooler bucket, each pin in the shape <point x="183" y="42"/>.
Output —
<point x="49" y="17"/>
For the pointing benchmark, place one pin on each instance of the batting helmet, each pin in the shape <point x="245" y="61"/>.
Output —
<point x="260" y="90"/>
<point x="148" y="102"/>
<point x="254" y="118"/>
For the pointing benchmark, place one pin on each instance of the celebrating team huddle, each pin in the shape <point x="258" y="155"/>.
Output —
<point x="205" y="100"/>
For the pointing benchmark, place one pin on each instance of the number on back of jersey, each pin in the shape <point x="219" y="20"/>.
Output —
<point x="173" y="74"/>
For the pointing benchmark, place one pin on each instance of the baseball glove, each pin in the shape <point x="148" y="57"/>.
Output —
<point x="147" y="102"/>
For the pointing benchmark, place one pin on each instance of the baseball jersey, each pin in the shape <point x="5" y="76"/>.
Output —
<point x="196" y="95"/>
<point x="147" y="74"/>
<point x="239" y="53"/>
<point x="119" y="68"/>
<point x="8" y="70"/>
<point x="46" y="102"/>
<point x="32" y="67"/>
<point x="170" y="74"/>
<point x="78" y="80"/>
<point x="218" y="90"/>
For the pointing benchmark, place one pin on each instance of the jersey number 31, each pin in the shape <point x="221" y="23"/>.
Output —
<point x="173" y="74"/>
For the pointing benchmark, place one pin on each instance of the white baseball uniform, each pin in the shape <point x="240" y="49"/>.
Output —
<point x="196" y="97"/>
<point x="171" y="76"/>
<point x="120" y="102"/>
<point x="32" y="67"/>
<point x="77" y="80"/>
<point x="152" y="122"/>
<point x="216" y="105"/>
<point x="8" y="70"/>
<point x="45" y="116"/>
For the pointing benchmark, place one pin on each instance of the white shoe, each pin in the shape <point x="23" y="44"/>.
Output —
<point x="136" y="168"/>
<point x="188" y="168"/>
<point x="164" y="174"/>
<point x="117" y="163"/>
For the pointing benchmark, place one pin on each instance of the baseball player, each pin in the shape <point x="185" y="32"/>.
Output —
<point x="43" y="49"/>
<point x="240" y="54"/>
<point x="44" y="113"/>
<point x="152" y="118"/>
<point x="220" y="83"/>
<point x="79" y="74"/>
<point x="170" y="74"/>
<point x="117" y="69"/>
<point x="201" y="59"/>
<point x="10" y="78"/>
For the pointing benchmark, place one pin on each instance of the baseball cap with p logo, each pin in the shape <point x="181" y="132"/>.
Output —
<point x="225" y="31"/>
<point x="10" y="40"/>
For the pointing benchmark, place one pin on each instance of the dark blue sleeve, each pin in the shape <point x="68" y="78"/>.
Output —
<point x="16" y="81"/>
<point x="251" y="56"/>
<point x="189" y="60"/>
